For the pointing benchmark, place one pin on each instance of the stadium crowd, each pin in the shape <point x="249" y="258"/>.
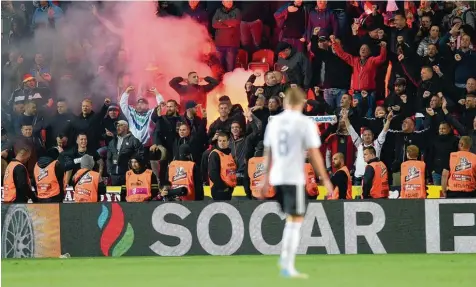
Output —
<point x="394" y="82"/>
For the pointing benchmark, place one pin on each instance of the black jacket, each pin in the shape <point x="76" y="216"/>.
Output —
<point x="39" y="95"/>
<point x="438" y="154"/>
<point x="43" y="162"/>
<point x="193" y="92"/>
<point x="219" y="125"/>
<point x="60" y="124"/>
<point x="118" y="160"/>
<point x="165" y="131"/>
<point x="110" y="124"/>
<point x="337" y="73"/>
<point x="268" y="91"/>
<point x="90" y="125"/>
<point x="299" y="69"/>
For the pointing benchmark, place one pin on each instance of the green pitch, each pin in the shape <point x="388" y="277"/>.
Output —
<point x="242" y="271"/>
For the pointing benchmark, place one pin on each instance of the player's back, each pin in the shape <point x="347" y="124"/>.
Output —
<point x="289" y="135"/>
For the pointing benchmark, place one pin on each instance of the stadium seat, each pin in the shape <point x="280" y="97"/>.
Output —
<point x="263" y="56"/>
<point x="242" y="59"/>
<point x="255" y="66"/>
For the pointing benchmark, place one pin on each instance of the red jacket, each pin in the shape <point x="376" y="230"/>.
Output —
<point x="363" y="76"/>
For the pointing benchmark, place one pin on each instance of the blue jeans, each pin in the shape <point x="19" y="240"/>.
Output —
<point x="342" y="22"/>
<point x="333" y="96"/>
<point x="370" y="100"/>
<point x="227" y="56"/>
<point x="436" y="178"/>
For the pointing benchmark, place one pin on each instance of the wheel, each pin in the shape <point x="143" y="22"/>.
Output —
<point x="18" y="240"/>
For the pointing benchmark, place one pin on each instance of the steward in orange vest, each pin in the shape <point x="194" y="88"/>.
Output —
<point x="254" y="175"/>
<point x="49" y="178"/>
<point x="222" y="170"/>
<point x="311" y="182"/>
<point x="375" y="179"/>
<point x="459" y="179"/>
<point x="412" y="175"/>
<point x="16" y="181"/>
<point x="184" y="177"/>
<point x="88" y="185"/>
<point x="341" y="179"/>
<point x="139" y="182"/>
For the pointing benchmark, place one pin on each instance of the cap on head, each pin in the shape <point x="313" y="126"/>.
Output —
<point x="282" y="46"/>
<point x="190" y="105"/>
<point x="122" y="122"/>
<point x="27" y="77"/>
<point x="113" y="107"/>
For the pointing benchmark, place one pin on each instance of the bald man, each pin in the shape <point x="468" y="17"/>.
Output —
<point x="341" y="179"/>
<point x="459" y="178"/>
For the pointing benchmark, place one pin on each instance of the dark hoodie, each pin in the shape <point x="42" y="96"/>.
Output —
<point x="90" y="125"/>
<point x="59" y="124"/>
<point x="299" y="70"/>
<point x="51" y="155"/>
<point x="438" y="154"/>
<point x="191" y="92"/>
<point x="154" y="189"/>
<point x="220" y="191"/>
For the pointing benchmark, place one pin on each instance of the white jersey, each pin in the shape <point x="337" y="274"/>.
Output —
<point x="289" y="135"/>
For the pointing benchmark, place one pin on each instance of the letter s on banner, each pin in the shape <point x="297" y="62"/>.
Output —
<point x="163" y="227"/>
<point x="433" y="226"/>
<point x="352" y="230"/>
<point x="256" y="233"/>
<point x="237" y="229"/>
<point x="315" y="211"/>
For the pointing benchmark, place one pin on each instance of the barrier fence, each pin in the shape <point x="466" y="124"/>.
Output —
<point x="113" y="193"/>
<point x="236" y="227"/>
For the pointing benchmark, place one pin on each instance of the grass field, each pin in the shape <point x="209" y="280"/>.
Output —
<point x="244" y="271"/>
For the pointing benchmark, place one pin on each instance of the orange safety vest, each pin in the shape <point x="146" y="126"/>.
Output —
<point x="9" y="188"/>
<point x="462" y="171"/>
<point x="138" y="186"/>
<point x="380" y="188"/>
<point x="412" y="179"/>
<point x="256" y="174"/>
<point x="348" y="194"/>
<point x="181" y="175"/>
<point x="311" y="180"/>
<point x="227" y="169"/>
<point x="47" y="184"/>
<point x="86" y="185"/>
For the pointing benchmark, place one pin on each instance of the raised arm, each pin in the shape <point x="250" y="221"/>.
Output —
<point x="124" y="103"/>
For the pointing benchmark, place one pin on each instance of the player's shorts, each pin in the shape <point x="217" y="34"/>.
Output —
<point x="292" y="198"/>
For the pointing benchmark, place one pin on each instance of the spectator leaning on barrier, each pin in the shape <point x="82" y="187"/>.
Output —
<point x="226" y="22"/>
<point x="119" y="150"/>
<point x="139" y="181"/>
<point x="222" y="169"/>
<point x="87" y="183"/>
<point x="459" y="176"/>
<point x="16" y="182"/>
<point x="49" y="178"/>
<point x="192" y="91"/>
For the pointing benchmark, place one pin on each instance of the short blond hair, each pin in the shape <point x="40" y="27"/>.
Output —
<point x="295" y="96"/>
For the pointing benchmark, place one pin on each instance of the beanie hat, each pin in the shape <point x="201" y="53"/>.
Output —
<point x="87" y="162"/>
